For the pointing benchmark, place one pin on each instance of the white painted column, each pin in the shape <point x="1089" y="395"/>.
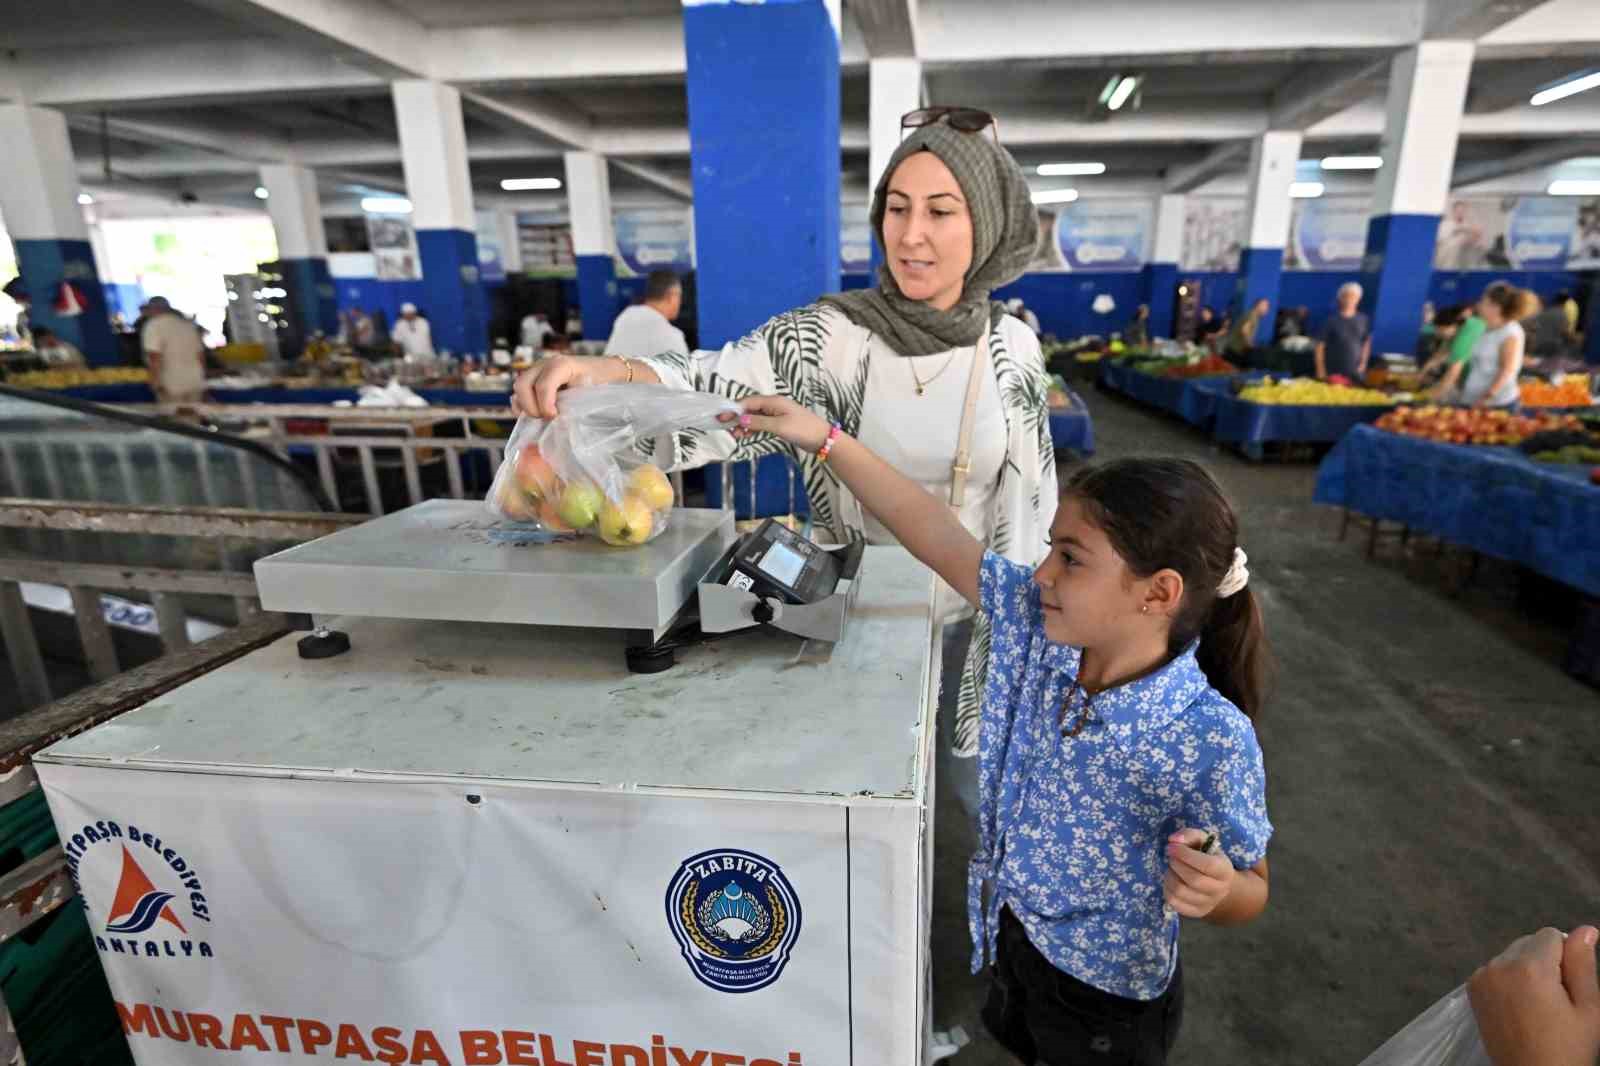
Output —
<point x="593" y="241"/>
<point x="510" y="239"/>
<point x="1170" y="210"/>
<point x="1273" y="158"/>
<point x="296" y="210"/>
<point x="433" y="148"/>
<point x="1427" y="95"/>
<point x="39" y="198"/>
<point x="895" y="87"/>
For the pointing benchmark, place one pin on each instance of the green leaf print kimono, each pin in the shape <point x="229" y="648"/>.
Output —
<point x="819" y="358"/>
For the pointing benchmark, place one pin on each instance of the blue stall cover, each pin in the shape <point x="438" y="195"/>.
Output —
<point x="1545" y="516"/>
<point x="1242" y="422"/>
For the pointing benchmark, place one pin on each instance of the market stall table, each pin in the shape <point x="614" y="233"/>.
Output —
<point x="1159" y="392"/>
<point x="1071" y="427"/>
<point x="486" y="835"/>
<point x="1545" y="516"/>
<point x="1255" y="424"/>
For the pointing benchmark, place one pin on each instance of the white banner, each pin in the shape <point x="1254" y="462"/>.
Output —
<point x="254" y="919"/>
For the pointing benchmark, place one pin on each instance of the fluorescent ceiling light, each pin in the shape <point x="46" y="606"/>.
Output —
<point x="1574" y="187"/>
<point x="1122" y="92"/>
<point x="1055" y="196"/>
<point x="1582" y="83"/>
<point x="85" y="199"/>
<point x="261" y="192"/>
<point x="386" y="205"/>
<point x="1111" y="87"/>
<point x="529" y="184"/>
<point x="1068" y="170"/>
<point x="1352" y="162"/>
<point x="1306" y="190"/>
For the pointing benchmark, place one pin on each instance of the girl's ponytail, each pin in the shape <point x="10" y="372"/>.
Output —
<point x="1233" y="651"/>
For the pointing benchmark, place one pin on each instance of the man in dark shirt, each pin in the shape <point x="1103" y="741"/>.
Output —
<point x="1346" y="342"/>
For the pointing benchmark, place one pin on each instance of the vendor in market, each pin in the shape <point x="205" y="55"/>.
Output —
<point x="536" y="330"/>
<point x="1492" y="366"/>
<point x="1455" y="331"/>
<point x="1137" y="335"/>
<point x="646" y="328"/>
<point x="1346" y="343"/>
<point x="412" y="333"/>
<point x="891" y="365"/>
<point x="175" y="353"/>
<point x="1242" y="338"/>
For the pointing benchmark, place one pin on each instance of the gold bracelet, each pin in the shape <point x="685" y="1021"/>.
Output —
<point x="629" y="364"/>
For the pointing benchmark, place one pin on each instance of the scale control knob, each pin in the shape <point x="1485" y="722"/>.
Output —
<point x="323" y="643"/>
<point x="762" y="612"/>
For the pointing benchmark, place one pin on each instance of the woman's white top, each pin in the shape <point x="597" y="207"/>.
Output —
<point x="1484" y="366"/>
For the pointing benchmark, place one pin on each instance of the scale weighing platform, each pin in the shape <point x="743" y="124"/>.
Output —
<point x="478" y="828"/>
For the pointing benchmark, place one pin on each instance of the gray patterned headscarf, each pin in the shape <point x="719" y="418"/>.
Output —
<point x="1005" y="236"/>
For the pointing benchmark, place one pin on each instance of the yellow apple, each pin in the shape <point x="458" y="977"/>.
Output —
<point x="629" y="522"/>
<point x="651" y="486"/>
<point x="512" y="503"/>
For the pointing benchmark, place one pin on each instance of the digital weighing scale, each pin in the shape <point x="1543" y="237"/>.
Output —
<point x="478" y="826"/>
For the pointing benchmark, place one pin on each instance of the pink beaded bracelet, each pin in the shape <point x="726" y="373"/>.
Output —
<point x="827" y="445"/>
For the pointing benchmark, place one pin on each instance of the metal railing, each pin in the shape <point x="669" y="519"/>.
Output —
<point x="87" y="581"/>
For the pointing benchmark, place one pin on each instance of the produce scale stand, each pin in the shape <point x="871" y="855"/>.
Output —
<point x="475" y="836"/>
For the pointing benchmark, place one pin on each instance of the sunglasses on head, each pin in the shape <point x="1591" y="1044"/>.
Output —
<point x="964" y="119"/>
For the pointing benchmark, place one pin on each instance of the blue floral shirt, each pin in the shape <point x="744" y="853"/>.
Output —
<point x="1072" y="830"/>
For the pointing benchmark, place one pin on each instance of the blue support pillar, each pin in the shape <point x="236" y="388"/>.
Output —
<point x="44" y="265"/>
<point x="597" y="295"/>
<point x="1396" y="272"/>
<point x="763" y="85"/>
<point x="1160" y="293"/>
<point x="453" y="297"/>
<point x="1260" y="277"/>
<point x="310" y="287"/>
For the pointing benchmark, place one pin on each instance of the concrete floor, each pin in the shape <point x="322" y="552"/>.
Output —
<point x="1431" y="776"/>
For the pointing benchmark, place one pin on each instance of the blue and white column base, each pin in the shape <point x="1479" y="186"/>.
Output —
<point x="454" y="300"/>
<point x="44" y="264"/>
<point x="1396" y="273"/>
<point x="597" y="295"/>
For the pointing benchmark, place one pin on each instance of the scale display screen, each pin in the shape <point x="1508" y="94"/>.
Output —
<point x="783" y="564"/>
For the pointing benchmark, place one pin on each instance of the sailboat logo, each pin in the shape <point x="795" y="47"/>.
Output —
<point x="139" y="904"/>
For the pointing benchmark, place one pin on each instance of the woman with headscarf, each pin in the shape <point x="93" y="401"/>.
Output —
<point x="892" y="365"/>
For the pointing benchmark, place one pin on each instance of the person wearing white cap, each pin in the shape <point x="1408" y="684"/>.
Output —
<point x="174" y="352"/>
<point x="412" y="332"/>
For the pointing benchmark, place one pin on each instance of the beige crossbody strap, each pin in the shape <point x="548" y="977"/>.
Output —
<point x="969" y="414"/>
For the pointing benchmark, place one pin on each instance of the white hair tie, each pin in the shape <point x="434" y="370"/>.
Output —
<point x="1237" y="577"/>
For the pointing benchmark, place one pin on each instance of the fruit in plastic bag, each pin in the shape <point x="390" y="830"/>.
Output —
<point x="581" y="504"/>
<point x="514" y="504"/>
<point x="535" y="476"/>
<point x="651" y="486"/>
<point x="627" y="523"/>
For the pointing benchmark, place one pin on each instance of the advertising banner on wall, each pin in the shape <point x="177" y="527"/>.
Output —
<point x="655" y="239"/>
<point x="1328" y="234"/>
<point x="1540" y="232"/>
<point x="1104" y="234"/>
<point x="394" y="247"/>
<point x="1211" y="232"/>
<point x="408" y="922"/>
<point x="1585" y="254"/>
<point x="491" y="258"/>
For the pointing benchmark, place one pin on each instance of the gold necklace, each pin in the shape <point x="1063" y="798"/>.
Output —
<point x="922" y="386"/>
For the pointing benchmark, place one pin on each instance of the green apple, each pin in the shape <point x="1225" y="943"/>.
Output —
<point x="627" y="523"/>
<point x="581" y="504"/>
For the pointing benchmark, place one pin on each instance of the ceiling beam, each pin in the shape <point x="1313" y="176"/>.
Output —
<point x="1534" y="158"/>
<point x="1507" y="88"/>
<point x="1221" y="159"/>
<point x="888" y="27"/>
<point x="1006" y="30"/>
<point x="188" y="133"/>
<point x="634" y="47"/>
<point x="679" y="187"/>
<point x="1317" y="93"/>
<point x="370" y="34"/>
<point x="1468" y="20"/>
<point x="194" y="73"/>
<point x="527" y="113"/>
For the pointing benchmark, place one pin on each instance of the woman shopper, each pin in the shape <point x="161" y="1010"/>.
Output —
<point x="893" y="366"/>
<point x="1496" y="360"/>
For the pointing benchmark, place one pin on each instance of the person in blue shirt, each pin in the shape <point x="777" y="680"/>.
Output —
<point x="1115" y="740"/>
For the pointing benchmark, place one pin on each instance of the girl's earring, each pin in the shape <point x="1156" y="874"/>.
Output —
<point x="1145" y="609"/>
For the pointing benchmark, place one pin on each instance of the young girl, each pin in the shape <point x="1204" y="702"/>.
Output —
<point x="1112" y="746"/>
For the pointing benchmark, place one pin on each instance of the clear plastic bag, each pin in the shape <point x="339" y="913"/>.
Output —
<point x="1446" y="1034"/>
<point x="580" y="471"/>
